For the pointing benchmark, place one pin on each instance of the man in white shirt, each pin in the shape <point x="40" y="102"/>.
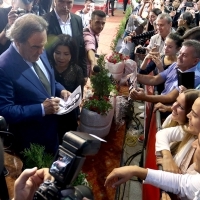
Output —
<point x="86" y="12"/>
<point x="62" y="21"/>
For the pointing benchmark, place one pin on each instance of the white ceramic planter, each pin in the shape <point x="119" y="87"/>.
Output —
<point x="94" y="123"/>
<point x="115" y="69"/>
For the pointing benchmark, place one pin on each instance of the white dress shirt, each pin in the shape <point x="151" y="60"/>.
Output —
<point x="65" y="26"/>
<point x="186" y="186"/>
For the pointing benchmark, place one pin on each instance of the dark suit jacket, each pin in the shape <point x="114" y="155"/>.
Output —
<point x="21" y="95"/>
<point x="4" y="21"/>
<point x="77" y="34"/>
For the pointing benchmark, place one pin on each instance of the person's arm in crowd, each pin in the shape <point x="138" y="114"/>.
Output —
<point x="149" y="79"/>
<point x="139" y="94"/>
<point x="164" y="138"/>
<point x="91" y="58"/>
<point x="157" y="60"/>
<point x="145" y="62"/>
<point x="147" y="65"/>
<point x="182" y="185"/>
<point x="162" y="108"/>
<point x="175" y="19"/>
<point x="12" y="16"/>
<point x="90" y="47"/>
<point x="3" y="38"/>
<point x="29" y="181"/>
<point x="141" y="8"/>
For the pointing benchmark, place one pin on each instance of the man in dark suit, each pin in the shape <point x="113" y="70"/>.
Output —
<point x="28" y="89"/>
<point x="61" y="20"/>
<point x="8" y="16"/>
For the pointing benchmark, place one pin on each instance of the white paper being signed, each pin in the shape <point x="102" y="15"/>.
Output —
<point x="72" y="102"/>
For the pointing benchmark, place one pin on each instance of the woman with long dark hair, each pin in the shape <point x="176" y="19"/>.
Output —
<point x="63" y="58"/>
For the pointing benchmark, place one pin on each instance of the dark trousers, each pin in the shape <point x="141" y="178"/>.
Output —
<point x="125" y="2"/>
<point x="112" y="3"/>
<point x="67" y="122"/>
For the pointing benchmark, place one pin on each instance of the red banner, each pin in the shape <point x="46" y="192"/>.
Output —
<point x="150" y="192"/>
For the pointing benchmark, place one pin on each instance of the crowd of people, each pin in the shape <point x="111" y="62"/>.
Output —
<point x="173" y="47"/>
<point x="47" y="51"/>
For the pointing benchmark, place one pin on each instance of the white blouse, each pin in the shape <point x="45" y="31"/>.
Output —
<point x="186" y="186"/>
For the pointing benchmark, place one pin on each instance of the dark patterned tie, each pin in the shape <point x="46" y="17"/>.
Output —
<point x="42" y="78"/>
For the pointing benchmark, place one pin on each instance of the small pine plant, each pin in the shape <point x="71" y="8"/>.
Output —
<point x="81" y="180"/>
<point x="36" y="157"/>
<point x="102" y="86"/>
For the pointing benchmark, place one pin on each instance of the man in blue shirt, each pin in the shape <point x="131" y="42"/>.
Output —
<point x="187" y="61"/>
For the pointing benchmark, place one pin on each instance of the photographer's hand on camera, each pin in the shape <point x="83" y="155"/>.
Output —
<point x="172" y="13"/>
<point x="137" y="94"/>
<point x="29" y="181"/>
<point x="12" y="16"/>
<point x="51" y="106"/>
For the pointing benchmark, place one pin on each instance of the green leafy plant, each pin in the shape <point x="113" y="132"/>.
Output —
<point x="102" y="86"/>
<point x="81" y="180"/>
<point x="36" y="157"/>
<point x="100" y="106"/>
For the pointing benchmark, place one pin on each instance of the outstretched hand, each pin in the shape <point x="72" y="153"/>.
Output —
<point x="29" y="181"/>
<point x="118" y="176"/>
<point x="137" y="94"/>
<point x="165" y="196"/>
<point x="162" y="108"/>
<point x="122" y="174"/>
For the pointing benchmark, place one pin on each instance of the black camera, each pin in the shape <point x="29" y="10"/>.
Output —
<point x="169" y="9"/>
<point x="67" y="164"/>
<point x="21" y="11"/>
<point x="141" y="50"/>
<point x="142" y="38"/>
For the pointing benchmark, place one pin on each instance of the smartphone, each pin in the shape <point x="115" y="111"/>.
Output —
<point x="189" y="4"/>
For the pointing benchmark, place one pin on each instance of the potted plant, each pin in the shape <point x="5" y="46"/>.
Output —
<point x="115" y="64"/>
<point x="98" y="109"/>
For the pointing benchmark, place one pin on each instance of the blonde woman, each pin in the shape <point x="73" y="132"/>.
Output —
<point x="174" y="141"/>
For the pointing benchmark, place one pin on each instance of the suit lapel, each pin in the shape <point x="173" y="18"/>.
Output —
<point x="24" y="69"/>
<point x="55" y="23"/>
<point x="73" y="25"/>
